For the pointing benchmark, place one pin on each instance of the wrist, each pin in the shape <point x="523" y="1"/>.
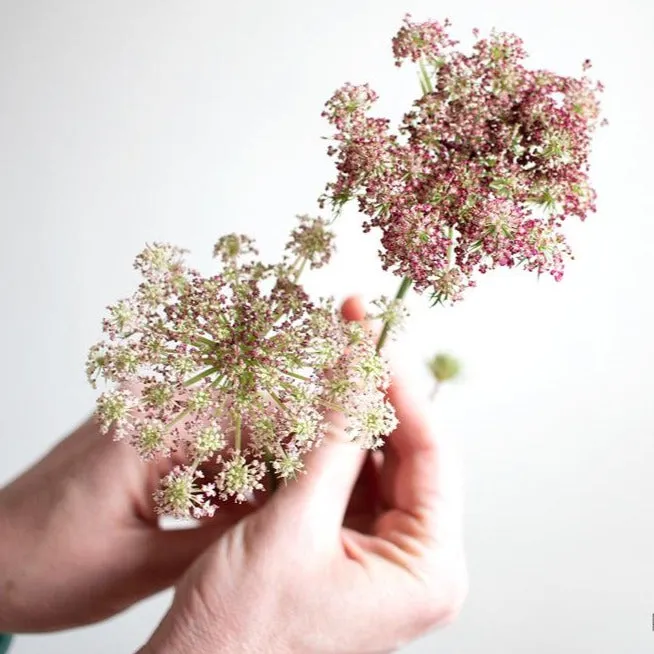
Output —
<point x="175" y="636"/>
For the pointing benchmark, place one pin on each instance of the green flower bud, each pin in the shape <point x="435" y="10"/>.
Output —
<point x="444" y="367"/>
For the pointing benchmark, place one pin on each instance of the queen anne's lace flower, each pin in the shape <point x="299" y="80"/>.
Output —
<point x="483" y="169"/>
<point x="234" y="370"/>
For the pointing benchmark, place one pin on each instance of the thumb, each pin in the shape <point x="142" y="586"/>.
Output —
<point x="321" y="495"/>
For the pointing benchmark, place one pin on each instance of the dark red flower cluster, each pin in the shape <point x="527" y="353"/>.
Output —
<point x="483" y="169"/>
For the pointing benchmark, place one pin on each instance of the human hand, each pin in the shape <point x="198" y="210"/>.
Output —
<point x="80" y="539"/>
<point x="361" y="554"/>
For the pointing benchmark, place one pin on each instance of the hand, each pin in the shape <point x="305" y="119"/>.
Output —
<point x="80" y="539"/>
<point x="361" y="554"/>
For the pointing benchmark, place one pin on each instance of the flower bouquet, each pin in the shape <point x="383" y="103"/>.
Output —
<point x="230" y="374"/>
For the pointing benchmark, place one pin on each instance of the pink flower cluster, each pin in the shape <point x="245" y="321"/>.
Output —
<point x="483" y="170"/>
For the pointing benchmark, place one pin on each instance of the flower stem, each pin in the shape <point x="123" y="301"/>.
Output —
<point x="204" y="341"/>
<point x="450" y="247"/>
<point x="300" y="269"/>
<point x="277" y="401"/>
<point x="425" y="80"/>
<point x="401" y="292"/>
<point x="296" y="375"/>
<point x="330" y="405"/>
<point x="200" y="376"/>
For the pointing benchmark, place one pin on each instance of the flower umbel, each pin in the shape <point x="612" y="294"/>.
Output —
<point x="234" y="369"/>
<point x="483" y="169"/>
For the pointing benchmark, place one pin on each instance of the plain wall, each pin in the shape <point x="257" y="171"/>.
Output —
<point x="131" y="121"/>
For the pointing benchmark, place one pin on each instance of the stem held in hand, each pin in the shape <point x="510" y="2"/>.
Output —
<point x="401" y="292"/>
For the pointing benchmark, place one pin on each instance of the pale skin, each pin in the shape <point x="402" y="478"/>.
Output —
<point x="361" y="554"/>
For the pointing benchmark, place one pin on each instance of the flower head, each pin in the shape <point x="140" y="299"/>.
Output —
<point x="416" y="41"/>
<point x="483" y="169"/>
<point x="238" y="477"/>
<point x="312" y="241"/>
<point x="232" y="369"/>
<point x="181" y="494"/>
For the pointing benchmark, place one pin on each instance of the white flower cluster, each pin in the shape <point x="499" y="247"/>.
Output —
<point x="233" y="373"/>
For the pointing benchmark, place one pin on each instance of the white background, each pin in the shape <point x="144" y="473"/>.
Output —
<point x="130" y="121"/>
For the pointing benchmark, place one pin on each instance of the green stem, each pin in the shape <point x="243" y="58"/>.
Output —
<point x="205" y="341"/>
<point x="217" y="381"/>
<point x="401" y="292"/>
<point x="277" y="401"/>
<point x="425" y="80"/>
<point x="294" y="374"/>
<point x="195" y="464"/>
<point x="450" y="247"/>
<point x="201" y="375"/>
<point x="300" y="270"/>
<point x="330" y="405"/>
